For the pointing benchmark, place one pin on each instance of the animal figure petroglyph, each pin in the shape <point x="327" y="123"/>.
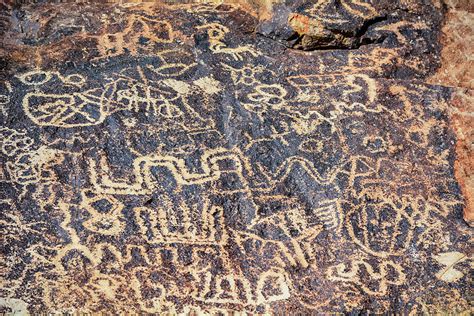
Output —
<point x="216" y="33"/>
<point x="182" y="168"/>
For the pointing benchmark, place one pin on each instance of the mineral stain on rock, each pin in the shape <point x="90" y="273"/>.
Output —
<point x="195" y="158"/>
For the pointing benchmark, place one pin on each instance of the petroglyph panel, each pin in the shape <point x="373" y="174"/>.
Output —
<point x="160" y="158"/>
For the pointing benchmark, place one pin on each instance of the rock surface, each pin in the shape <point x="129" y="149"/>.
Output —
<point x="457" y="72"/>
<point x="198" y="158"/>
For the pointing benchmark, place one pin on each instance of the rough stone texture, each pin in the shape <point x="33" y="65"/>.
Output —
<point x="198" y="158"/>
<point x="462" y="122"/>
<point x="457" y="72"/>
<point x="457" y="66"/>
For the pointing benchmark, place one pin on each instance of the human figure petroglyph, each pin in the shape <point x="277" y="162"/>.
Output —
<point x="297" y="252"/>
<point x="170" y="163"/>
